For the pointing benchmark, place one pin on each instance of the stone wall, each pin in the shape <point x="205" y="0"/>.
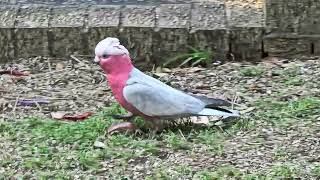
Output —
<point x="154" y="30"/>
<point x="292" y="27"/>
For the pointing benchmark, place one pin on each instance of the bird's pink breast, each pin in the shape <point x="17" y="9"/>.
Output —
<point x="118" y="70"/>
<point x="117" y="84"/>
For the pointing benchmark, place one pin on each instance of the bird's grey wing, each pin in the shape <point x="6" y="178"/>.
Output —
<point x="160" y="101"/>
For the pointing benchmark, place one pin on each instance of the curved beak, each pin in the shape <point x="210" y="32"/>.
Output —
<point x="96" y="60"/>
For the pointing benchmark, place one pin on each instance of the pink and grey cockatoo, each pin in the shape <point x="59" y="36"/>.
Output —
<point x="146" y="96"/>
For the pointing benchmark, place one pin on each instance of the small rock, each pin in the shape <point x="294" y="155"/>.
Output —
<point x="99" y="144"/>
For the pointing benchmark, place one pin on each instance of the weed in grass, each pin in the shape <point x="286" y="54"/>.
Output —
<point x="183" y="170"/>
<point x="315" y="171"/>
<point x="161" y="173"/>
<point x="281" y="153"/>
<point x="89" y="160"/>
<point x="7" y="173"/>
<point x="283" y="171"/>
<point x="252" y="71"/>
<point x="193" y="58"/>
<point x="220" y="173"/>
<point x="227" y="172"/>
<point x="175" y="141"/>
<point x="60" y="175"/>
<point x="293" y="81"/>
<point x="146" y="146"/>
<point x="204" y="175"/>
<point x="34" y="163"/>
<point x="213" y="139"/>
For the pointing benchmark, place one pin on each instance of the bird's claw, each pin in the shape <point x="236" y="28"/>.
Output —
<point x="127" y="127"/>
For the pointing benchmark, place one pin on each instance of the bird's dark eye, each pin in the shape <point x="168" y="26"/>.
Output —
<point x="105" y="55"/>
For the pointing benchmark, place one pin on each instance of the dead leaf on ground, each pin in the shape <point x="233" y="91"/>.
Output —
<point x="59" y="66"/>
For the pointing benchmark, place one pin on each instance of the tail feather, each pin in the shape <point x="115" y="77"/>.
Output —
<point x="219" y="112"/>
<point x="212" y="102"/>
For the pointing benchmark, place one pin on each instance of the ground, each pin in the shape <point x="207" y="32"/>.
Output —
<point x="276" y="137"/>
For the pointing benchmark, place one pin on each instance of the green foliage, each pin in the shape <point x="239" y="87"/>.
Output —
<point x="283" y="171"/>
<point x="194" y="57"/>
<point x="251" y="71"/>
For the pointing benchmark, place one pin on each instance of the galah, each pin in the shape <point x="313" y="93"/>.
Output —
<point x="145" y="96"/>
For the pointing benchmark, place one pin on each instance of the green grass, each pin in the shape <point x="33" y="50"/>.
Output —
<point x="53" y="148"/>
<point x="228" y="172"/>
<point x="284" y="171"/>
<point x="285" y="113"/>
<point x="46" y="148"/>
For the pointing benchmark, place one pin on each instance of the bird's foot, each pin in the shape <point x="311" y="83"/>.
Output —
<point x="126" y="127"/>
<point x="156" y="126"/>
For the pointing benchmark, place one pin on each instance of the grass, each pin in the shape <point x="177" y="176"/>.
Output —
<point x="54" y="149"/>
<point x="45" y="148"/>
<point x="286" y="113"/>
<point x="316" y="171"/>
<point x="284" y="171"/>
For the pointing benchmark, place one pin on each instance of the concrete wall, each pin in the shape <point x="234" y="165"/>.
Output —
<point x="155" y="29"/>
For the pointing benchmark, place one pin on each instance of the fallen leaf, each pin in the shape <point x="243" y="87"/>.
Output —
<point x="31" y="102"/>
<point x="247" y="110"/>
<point x="78" y="116"/>
<point x="273" y="61"/>
<point x="195" y="69"/>
<point x="166" y="70"/>
<point x="2" y="101"/>
<point x="159" y="70"/>
<point x="57" y="115"/>
<point x="161" y="74"/>
<point x="199" y="120"/>
<point x="15" y="72"/>
<point x="203" y="119"/>
<point x="59" y="66"/>
<point x="219" y="123"/>
<point x="63" y="115"/>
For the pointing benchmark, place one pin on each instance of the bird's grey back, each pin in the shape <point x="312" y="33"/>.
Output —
<point x="178" y="99"/>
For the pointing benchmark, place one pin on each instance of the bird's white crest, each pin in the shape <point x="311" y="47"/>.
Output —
<point x="110" y="46"/>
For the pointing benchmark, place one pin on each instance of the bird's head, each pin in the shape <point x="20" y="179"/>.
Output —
<point x="111" y="55"/>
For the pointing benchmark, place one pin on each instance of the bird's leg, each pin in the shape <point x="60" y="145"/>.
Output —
<point x="127" y="126"/>
<point x="156" y="125"/>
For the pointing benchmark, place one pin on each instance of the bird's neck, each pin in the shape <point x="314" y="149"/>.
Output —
<point x="118" y="69"/>
<point x="117" y="65"/>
